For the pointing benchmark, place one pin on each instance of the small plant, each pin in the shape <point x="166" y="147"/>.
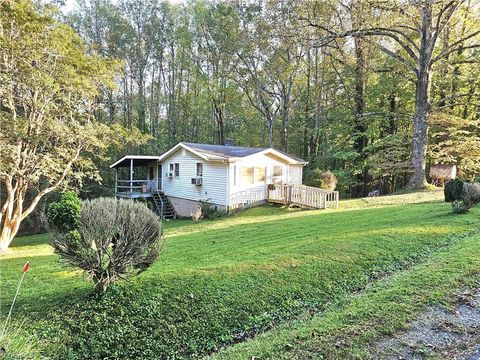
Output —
<point x="111" y="239"/>
<point x="209" y="211"/>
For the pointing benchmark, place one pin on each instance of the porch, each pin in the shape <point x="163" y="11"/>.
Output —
<point x="137" y="176"/>
<point x="306" y="197"/>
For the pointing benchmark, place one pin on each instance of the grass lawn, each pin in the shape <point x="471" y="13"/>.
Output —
<point x="281" y="273"/>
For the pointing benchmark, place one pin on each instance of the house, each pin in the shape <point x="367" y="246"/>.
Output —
<point x="228" y="177"/>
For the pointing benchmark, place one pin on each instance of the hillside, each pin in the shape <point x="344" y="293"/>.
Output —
<point x="274" y="274"/>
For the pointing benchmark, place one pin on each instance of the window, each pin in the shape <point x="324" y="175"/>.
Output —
<point x="199" y="169"/>
<point x="259" y="175"/>
<point x="175" y="169"/>
<point x="247" y="175"/>
<point x="277" y="175"/>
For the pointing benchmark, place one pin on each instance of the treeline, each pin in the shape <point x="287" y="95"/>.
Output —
<point x="359" y="88"/>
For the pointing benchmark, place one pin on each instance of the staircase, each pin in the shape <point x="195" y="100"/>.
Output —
<point x="168" y="212"/>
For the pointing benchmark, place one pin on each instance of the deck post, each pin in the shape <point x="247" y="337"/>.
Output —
<point x="116" y="181"/>
<point x="131" y="175"/>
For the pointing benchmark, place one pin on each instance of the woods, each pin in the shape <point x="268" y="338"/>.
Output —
<point x="350" y="86"/>
<point x="373" y="91"/>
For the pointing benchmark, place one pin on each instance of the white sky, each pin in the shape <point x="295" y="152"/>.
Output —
<point x="72" y="4"/>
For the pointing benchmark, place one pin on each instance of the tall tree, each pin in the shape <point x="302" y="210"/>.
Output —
<point x="47" y="132"/>
<point x="415" y="27"/>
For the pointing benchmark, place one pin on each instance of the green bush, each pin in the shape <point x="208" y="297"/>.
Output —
<point x="468" y="197"/>
<point x="64" y="215"/>
<point x="453" y="190"/>
<point x="209" y="211"/>
<point x="314" y="178"/>
<point x="114" y="239"/>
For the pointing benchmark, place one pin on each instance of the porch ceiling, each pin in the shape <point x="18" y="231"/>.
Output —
<point x="138" y="160"/>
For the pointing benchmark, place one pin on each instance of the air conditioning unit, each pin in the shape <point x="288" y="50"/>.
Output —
<point x="170" y="174"/>
<point x="197" y="181"/>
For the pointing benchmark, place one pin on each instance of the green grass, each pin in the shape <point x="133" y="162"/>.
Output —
<point x="221" y="282"/>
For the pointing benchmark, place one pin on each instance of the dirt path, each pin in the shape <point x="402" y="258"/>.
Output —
<point x="439" y="333"/>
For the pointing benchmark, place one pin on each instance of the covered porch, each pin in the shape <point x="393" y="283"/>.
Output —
<point x="137" y="176"/>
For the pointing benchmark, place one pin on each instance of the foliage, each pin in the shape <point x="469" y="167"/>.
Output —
<point x="314" y="178"/>
<point x="210" y="211"/>
<point x="113" y="239"/>
<point x="471" y="194"/>
<point x="462" y="195"/>
<point x="321" y="179"/>
<point x="49" y="138"/>
<point x="329" y="180"/>
<point x="456" y="141"/>
<point x="201" y="290"/>
<point x="453" y="190"/>
<point x="64" y="215"/>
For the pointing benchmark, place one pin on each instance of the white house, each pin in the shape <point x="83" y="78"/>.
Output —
<point x="228" y="177"/>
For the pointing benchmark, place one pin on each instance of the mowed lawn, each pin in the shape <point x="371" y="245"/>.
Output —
<point x="222" y="282"/>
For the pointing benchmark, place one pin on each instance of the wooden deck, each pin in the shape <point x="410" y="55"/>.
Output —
<point x="302" y="196"/>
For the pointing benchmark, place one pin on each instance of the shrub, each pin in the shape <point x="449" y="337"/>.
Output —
<point x="314" y="178"/>
<point x="113" y="238"/>
<point x="329" y="181"/>
<point x="209" y="211"/>
<point x="453" y="190"/>
<point x="64" y="214"/>
<point x="324" y="180"/>
<point x="471" y="194"/>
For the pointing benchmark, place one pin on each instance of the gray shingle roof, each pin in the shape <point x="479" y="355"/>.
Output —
<point x="229" y="151"/>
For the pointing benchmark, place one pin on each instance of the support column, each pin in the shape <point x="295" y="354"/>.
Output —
<point x="131" y="175"/>
<point x="116" y="182"/>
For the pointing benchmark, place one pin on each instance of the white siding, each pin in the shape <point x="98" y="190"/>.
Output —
<point x="215" y="175"/>
<point x="295" y="174"/>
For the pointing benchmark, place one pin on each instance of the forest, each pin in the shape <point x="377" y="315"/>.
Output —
<point x="351" y="86"/>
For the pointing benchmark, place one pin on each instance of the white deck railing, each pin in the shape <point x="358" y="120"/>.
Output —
<point x="300" y="195"/>
<point x="304" y="196"/>
<point x="134" y="186"/>
<point x="249" y="196"/>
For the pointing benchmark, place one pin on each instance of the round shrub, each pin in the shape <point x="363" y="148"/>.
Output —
<point x="64" y="215"/>
<point x="453" y="190"/>
<point x="114" y="238"/>
<point x="329" y="181"/>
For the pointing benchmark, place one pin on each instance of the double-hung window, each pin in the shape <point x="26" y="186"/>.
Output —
<point x="174" y="168"/>
<point x="199" y="169"/>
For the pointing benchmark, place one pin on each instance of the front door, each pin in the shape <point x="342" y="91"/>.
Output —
<point x="159" y="177"/>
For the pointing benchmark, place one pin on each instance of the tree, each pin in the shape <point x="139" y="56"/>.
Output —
<point x="415" y="27"/>
<point x="48" y="137"/>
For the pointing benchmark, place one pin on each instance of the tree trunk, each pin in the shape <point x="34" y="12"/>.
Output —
<point x="422" y="104"/>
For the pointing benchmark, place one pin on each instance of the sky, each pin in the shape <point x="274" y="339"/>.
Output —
<point x="71" y="4"/>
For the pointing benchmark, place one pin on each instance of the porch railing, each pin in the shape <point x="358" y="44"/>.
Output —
<point x="249" y="196"/>
<point x="134" y="186"/>
<point x="300" y="195"/>
<point x="304" y="196"/>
